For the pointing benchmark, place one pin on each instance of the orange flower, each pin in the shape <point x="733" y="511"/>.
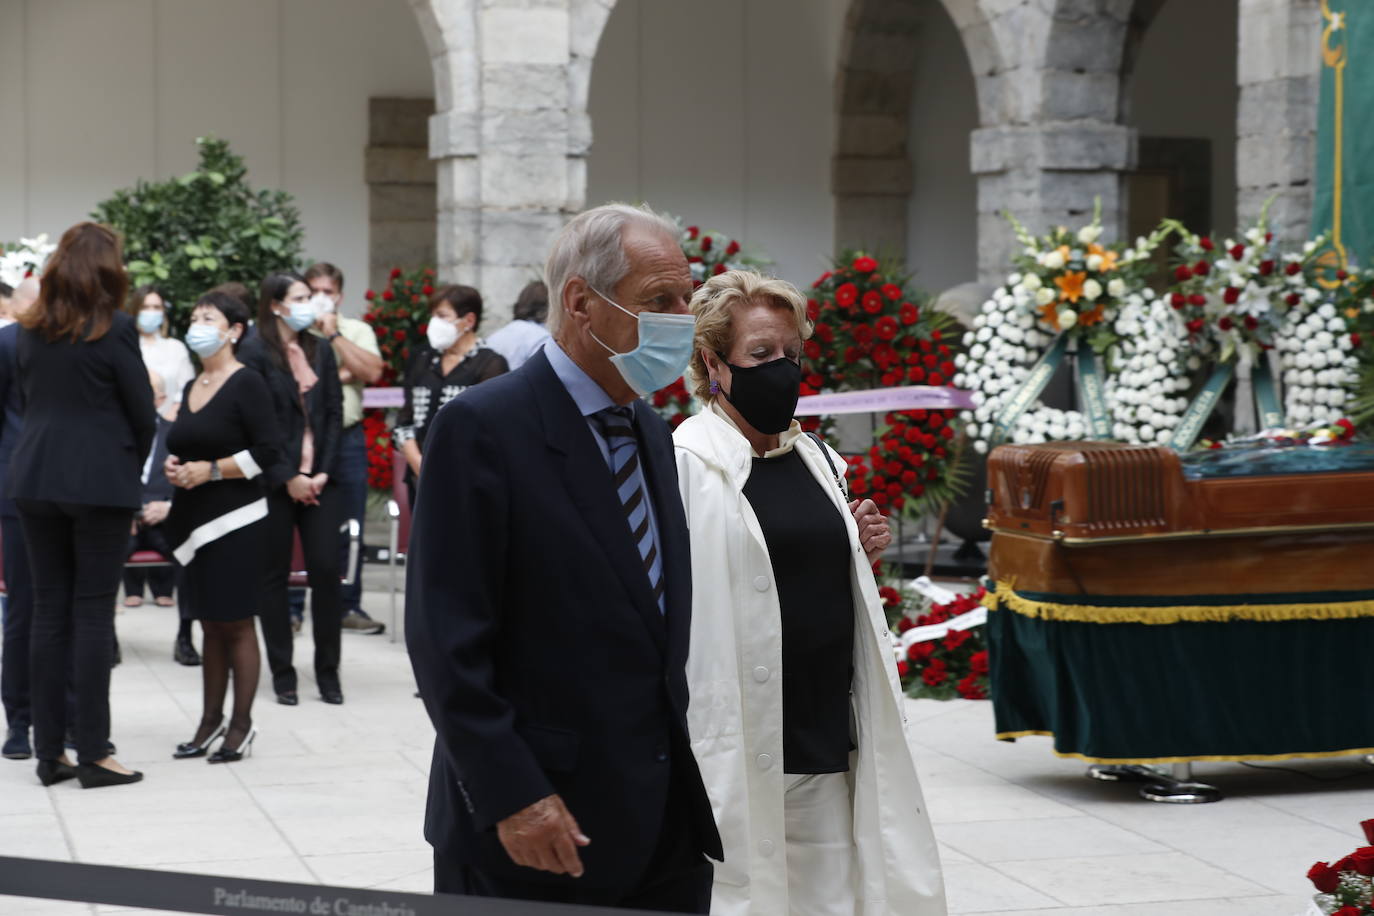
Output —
<point x="1109" y="257"/>
<point x="1049" y="313"/>
<point x="1071" y="285"/>
<point x="1092" y="316"/>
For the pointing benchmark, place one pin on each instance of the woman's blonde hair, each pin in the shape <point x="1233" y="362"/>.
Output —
<point x="714" y="304"/>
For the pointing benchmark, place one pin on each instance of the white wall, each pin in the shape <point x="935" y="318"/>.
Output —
<point x="722" y="113"/>
<point x="942" y="220"/>
<point x="99" y="93"/>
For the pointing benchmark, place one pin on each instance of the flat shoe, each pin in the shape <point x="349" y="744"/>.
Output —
<point x="288" y="697"/>
<point x="54" y="771"/>
<point x="97" y="777"/>
<point x="333" y="697"/>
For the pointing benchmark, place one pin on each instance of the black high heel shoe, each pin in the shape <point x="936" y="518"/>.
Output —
<point x="54" y="771"/>
<point x="92" y="776"/>
<point x="245" y="749"/>
<point x="191" y="749"/>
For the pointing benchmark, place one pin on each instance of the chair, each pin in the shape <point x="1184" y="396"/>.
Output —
<point x="398" y="511"/>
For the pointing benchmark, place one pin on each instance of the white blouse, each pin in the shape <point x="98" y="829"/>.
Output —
<point x="170" y="359"/>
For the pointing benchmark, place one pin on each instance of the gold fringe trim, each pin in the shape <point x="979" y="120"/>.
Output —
<point x="1004" y="595"/>
<point x="1203" y="758"/>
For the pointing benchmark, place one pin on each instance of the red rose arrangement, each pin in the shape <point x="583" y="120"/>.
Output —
<point x="709" y="253"/>
<point x="940" y="669"/>
<point x="673" y="403"/>
<point x="399" y="315"/>
<point x="871" y="331"/>
<point x="1346" y="885"/>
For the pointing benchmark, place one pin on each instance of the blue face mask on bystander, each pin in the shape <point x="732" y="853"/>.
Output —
<point x="302" y="316"/>
<point x="665" y="348"/>
<point x="204" y="340"/>
<point x="149" y="321"/>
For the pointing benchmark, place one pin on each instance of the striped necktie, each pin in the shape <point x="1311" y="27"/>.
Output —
<point x="617" y="425"/>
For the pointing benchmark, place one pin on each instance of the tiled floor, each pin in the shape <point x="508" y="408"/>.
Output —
<point x="335" y="795"/>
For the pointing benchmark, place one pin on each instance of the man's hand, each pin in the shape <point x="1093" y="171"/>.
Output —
<point x="155" y="513"/>
<point x="874" y="534"/>
<point x="544" y="836"/>
<point x="327" y="323"/>
<point x="317" y="484"/>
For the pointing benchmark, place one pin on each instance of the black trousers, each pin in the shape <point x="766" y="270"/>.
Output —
<point x="161" y="579"/>
<point x="18" y="625"/>
<point x="319" y="530"/>
<point x="76" y="553"/>
<point x="677" y="880"/>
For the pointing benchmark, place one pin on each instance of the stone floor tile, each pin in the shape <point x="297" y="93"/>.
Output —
<point x="1147" y="878"/>
<point x="151" y="840"/>
<point x="32" y="836"/>
<point x="975" y="888"/>
<point x="374" y="870"/>
<point x="1043" y="838"/>
<point x="959" y="804"/>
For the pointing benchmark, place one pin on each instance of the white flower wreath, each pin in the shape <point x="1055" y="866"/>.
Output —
<point x="1320" y="369"/>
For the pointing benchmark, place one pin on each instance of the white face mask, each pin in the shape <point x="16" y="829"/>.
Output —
<point x="323" y="304"/>
<point x="442" y="334"/>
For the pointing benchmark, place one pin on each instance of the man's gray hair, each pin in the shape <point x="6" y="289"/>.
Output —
<point x="591" y="246"/>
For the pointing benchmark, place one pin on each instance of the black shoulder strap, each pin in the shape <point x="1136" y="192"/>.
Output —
<point x="825" y="453"/>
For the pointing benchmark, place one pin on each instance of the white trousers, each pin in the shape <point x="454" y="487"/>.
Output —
<point x="820" y="844"/>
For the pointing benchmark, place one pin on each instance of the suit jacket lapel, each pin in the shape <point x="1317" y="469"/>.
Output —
<point x="588" y="481"/>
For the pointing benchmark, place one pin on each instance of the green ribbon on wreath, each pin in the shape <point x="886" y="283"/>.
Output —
<point x="1030" y="389"/>
<point x="1093" y="394"/>
<point x="1266" y="395"/>
<point x="1186" y="433"/>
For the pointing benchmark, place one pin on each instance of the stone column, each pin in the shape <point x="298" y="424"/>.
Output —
<point x="1279" y="70"/>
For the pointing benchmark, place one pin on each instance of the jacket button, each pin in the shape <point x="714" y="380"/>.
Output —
<point x="766" y="848"/>
<point x="661" y="755"/>
<point x="765" y="761"/>
<point x="760" y="674"/>
<point x="761" y="583"/>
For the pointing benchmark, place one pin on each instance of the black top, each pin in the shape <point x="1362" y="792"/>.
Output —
<point x="322" y="405"/>
<point x="88" y="418"/>
<point x="11" y="403"/>
<point x="809" y="550"/>
<point x="428" y="389"/>
<point x="232" y="421"/>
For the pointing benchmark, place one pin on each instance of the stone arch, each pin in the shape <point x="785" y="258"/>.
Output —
<point x="510" y="133"/>
<point x="871" y="173"/>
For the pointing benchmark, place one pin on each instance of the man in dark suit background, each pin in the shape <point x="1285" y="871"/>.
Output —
<point x="14" y="658"/>
<point x="548" y="599"/>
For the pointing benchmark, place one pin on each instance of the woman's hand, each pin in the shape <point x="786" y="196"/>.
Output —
<point x="302" y="490"/>
<point x="192" y="474"/>
<point x="874" y="534"/>
<point x="170" y="468"/>
<point x="317" y="484"/>
<point x="155" y="513"/>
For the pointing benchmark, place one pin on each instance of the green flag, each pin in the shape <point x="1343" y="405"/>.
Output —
<point x="1344" y="200"/>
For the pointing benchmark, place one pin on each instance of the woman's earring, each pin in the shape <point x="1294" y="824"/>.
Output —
<point x="715" y="387"/>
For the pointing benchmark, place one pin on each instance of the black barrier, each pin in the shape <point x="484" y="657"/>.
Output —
<point x="191" y="893"/>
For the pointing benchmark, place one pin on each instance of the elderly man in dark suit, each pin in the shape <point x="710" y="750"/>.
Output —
<point x="548" y="599"/>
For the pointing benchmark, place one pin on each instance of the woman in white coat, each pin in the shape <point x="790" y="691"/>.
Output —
<point x="796" y="711"/>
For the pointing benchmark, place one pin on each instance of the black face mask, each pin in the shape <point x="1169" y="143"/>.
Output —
<point x="765" y="395"/>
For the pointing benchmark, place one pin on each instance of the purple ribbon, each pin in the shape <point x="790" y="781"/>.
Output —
<point x="384" y="397"/>
<point x="883" y="400"/>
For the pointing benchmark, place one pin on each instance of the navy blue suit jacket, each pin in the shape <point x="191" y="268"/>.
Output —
<point x="12" y="418"/>
<point x="539" y="649"/>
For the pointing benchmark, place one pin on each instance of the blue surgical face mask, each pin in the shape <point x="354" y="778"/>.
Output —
<point x="302" y="316"/>
<point x="149" y="321"/>
<point x="205" y="340"/>
<point x="665" y="347"/>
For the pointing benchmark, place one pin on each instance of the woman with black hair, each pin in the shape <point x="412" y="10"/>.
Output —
<point x="221" y="447"/>
<point x="303" y="379"/>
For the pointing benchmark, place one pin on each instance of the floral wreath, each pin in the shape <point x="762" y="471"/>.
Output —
<point x="24" y="259"/>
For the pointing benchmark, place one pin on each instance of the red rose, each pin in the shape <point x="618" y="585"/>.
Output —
<point x="732" y="248"/>
<point x="947" y="432"/>
<point x="427" y="290"/>
<point x="935" y="673"/>
<point x="935" y="379"/>
<point x="970" y="689"/>
<point x="720" y="269"/>
<point x="1293" y="268"/>
<point x="846" y="295"/>
<point x="1182" y="273"/>
<point x="696" y="259"/>
<point x="395" y="272"/>
<point x="815" y="380"/>
<point x="851" y="354"/>
<point x="812" y="349"/>
<point x="892" y="291"/>
<point x="399" y="335"/>
<point x="1266" y="268"/>
<point x="1178" y="300"/>
<point x="1347" y="911"/>
<point x="1195" y="326"/>
<point x="1364" y="860"/>
<point x="1323" y="877"/>
<point x="1251" y="322"/>
<point x="909" y="313"/>
<point x="369" y="295"/>
<point x="916" y="374"/>
<point x="705" y="243"/>
<point x="1231" y="296"/>
<point x="978" y="662"/>
<point x="872" y="302"/>
<point x="887" y="327"/>
<point x="920" y="651"/>
<point x="1237" y="252"/>
<point x="388" y="295"/>
<point x="903" y="669"/>
<point x="692" y="232"/>
<point x="825" y="332"/>
<point x="1197" y="299"/>
<point x="1355" y="341"/>
<point x="1341" y="275"/>
<point x="1292" y="299"/>
<point x="1225" y="323"/>
<point x="1202" y="269"/>
<point x="1346" y="864"/>
<point x="1206" y="243"/>
<point x="1348" y="430"/>
<point x="865" y="265"/>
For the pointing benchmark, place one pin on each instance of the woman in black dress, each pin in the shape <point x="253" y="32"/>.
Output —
<point x="303" y="378"/>
<point x="76" y="479"/>
<point x="218" y="449"/>
<point x="455" y="359"/>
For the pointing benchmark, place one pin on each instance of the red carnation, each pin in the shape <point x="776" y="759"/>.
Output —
<point x="427" y="290"/>
<point x="1202" y="269"/>
<point x="1206" y="243"/>
<point x="399" y="335"/>
<point x="887" y="327"/>
<point x="903" y="669"/>
<point x="1293" y="268"/>
<point x="864" y="335"/>
<point x="865" y="265"/>
<point x="1231" y="296"/>
<point x="821" y="279"/>
<point x="732" y="248"/>
<point x="813" y="309"/>
<point x="395" y="272"/>
<point x="978" y="662"/>
<point x="851" y="354"/>
<point x="909" y="313"/>
<point x="388" y="295"/>
<point x="935" y="379"/>
<point x="369" y="295"/>
<point x="846" y="295"/>
<point x="812" y="349"/>
<point x="1237" y="252"/>
<point x="916" y="374"/>
<point x="1182" y="273"/>
<point x="872" y="302"/>
<point x="705" y="243"/>
<point x="892" y="291"/>
<point x="1178" y="300"/>
<point x="1266" y="268"/>
<point x="825" y="332"/>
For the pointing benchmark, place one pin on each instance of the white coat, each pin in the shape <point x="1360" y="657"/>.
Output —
<point x="734" y="672"/>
